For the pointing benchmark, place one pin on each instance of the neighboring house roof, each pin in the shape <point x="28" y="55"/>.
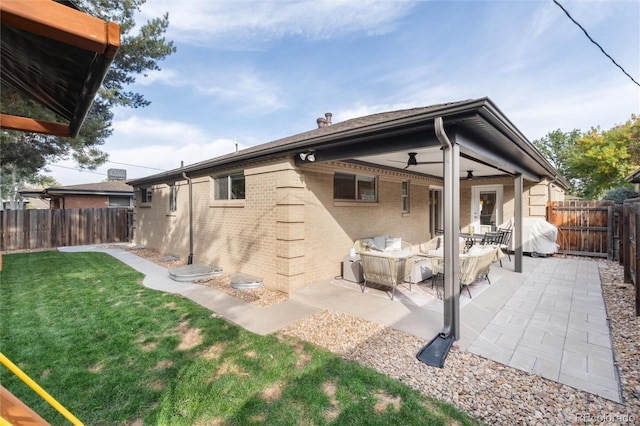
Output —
<point x="57" y="56"/>
<point x="482" y="131"/>
<point x="100" y="188"/>
<point x="634" y="177"/>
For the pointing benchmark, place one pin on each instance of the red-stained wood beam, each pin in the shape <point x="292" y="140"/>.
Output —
<point x="58" y="22"/>
<point x="14" y="122"/>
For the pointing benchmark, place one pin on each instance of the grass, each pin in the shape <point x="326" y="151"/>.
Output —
<point x="114" y="352"/>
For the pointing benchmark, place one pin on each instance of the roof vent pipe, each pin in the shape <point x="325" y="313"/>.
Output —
<point x="327" y="117"/>
<point x="322" y="122"/>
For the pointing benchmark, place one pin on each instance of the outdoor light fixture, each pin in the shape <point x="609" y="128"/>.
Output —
<point x="307" y="156"/>
<point x="469" y="174"/>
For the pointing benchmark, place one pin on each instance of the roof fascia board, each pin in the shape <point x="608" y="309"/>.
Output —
<point x="88" y="192"/>
<point x="62" y="23"/>
<point x="495" y="117"/>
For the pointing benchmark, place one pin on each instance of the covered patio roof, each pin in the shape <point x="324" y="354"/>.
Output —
<point x="490" y="144"/>
<point x="57" y="56"/>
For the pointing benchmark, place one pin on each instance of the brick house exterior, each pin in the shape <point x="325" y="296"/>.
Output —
<point x="288" y="229"/>
<point x="91" y="195"/>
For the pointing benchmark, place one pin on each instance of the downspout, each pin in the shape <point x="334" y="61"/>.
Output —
<point x="190" y="258"/>
<point x="451" y="176"/>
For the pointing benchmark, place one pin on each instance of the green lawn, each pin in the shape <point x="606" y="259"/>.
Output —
<point x="114" y="352"/>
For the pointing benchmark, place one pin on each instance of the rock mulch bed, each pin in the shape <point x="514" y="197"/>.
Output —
<point x="256" y="296"/>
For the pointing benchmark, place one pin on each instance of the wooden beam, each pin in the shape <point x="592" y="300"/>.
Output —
<point x="24" y="124"/>
<point x="62" y="23"/>
<point x="16" y="412"/>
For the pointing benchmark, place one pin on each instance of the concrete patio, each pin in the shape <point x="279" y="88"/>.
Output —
<point x="550" y="320"/>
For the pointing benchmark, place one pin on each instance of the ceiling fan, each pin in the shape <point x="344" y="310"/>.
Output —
<point x="412" y="161"/>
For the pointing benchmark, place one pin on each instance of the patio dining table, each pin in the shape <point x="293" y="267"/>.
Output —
<point x="471" y="239"/>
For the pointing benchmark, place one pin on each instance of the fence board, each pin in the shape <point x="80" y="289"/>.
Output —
<point x="38" y="229"/>
<point x="584" y="227"/>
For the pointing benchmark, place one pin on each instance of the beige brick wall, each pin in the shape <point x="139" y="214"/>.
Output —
<point x="332" y="226"/>
<point x="289" y="230"/>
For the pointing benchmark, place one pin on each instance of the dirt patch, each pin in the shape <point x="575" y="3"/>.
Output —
<point x="303" y="357"/>
<point x="330" y="389"/>
<point x="148" y="347"/>
<point x="384" y="400"/>
<point x="228" y="367"/>
<point x="189" y="337"/>
<point x="212" y="352"/>
<point x="163" y="364"/>
<point x="272" y="393"/>
<point x="96" y="368"/>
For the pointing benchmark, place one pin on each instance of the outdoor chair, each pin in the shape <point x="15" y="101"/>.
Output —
<point x="505" y="242"/>
<point x="386" y="270"/>
<point x="500" y="239"/>
<point x="472" y="268"/>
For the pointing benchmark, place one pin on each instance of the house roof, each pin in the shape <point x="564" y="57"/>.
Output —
<point x="117" y="187"/>
<point x="481" y="130"/>
<point x="57" y="56"/>
<point x="634" y="177"/>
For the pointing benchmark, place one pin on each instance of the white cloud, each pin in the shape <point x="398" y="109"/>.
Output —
<point x="233" y="22"/>
<point x="244" y="87"/>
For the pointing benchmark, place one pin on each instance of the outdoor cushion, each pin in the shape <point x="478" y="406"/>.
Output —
<point x="393" y="244"/>
<point x="380" y="242"/>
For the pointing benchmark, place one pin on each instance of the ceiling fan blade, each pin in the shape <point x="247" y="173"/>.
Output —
<point x="429" y="162"/>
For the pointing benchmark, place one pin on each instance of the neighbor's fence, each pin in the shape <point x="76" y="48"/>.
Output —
<point x="631" y="235"/>
<point x="586" y="228"/>
<point x="38" y="229"/>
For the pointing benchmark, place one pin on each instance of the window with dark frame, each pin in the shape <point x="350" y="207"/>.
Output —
<point x="354" y="187"/>
<point x="119" y="201"/>
<point x="405" y="196"/>
<point x="145" y="195"/>
<point x="230" y="187"/>
<point x="173" y="197"/>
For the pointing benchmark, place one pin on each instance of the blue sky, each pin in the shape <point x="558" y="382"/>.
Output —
<point x="250" y="72"/>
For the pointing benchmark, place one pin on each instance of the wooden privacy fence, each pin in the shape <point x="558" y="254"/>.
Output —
<point x="38" y="229"/>
<point x="587" y="228"/>
<point x="630" y="254"/>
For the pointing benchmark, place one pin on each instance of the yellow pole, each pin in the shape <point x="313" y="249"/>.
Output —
<point x="37" y="389"/>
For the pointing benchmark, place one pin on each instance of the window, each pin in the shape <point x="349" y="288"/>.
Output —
<point x="173" y="197"/>
<point x="119" y="201"/>
<point x="145" y="195"/>
<point x="354" y="187"/>
<point x="405" y="196"/>
<point x="229" y="187"/>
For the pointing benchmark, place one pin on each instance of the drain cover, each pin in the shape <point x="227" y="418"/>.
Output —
<point x="245" y="282"/>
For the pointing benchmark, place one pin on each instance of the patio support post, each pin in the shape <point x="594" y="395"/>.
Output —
<point x="451" y="175"/>
<point x="518" y="187"/>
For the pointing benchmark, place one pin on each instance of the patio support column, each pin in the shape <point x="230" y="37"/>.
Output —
<point x="451" y="176"/>
<point x="518" y="187"/>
